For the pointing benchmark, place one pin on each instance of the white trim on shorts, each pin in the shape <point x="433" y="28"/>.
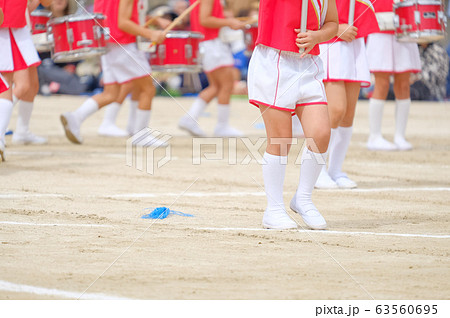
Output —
<point x="124" y="63"/>
<point x="345" y="61"/>
<point x="283" y="80"/>
<point x="215" y="54"/>
<point x="22" y="37"/>
<point x="386" y="54"/>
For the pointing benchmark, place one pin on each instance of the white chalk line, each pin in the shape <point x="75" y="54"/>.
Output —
<point x="53" y="224"/>
<point x="28" y="289"/>
<point x="210" y="194"/>
<point x="326" y="232"/>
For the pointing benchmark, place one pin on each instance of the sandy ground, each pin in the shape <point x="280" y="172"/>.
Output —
<point x="70" y="216"/>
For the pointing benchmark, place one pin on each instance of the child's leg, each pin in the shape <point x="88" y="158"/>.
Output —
<point x="316" y="125"/>
<point x="134" y="104"/>
<point x="225" y="81"/>
<point x="26" y="88"/>
<point x="108" y="126"/>
<point x="402" y="105"/>
<point x="341" y="140"/>
<point x="376" y="105"/>
<point x="279" y="137"/>
<point x="6" y="107"/>
<point x="72" y="120"/>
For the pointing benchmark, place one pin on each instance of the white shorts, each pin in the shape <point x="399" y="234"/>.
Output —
<point x="215" y="54"/>
<point x="343" y="61"/>
<point x="386" y="54"/>
<point x="3" y="84"/>
<point x="283" y="80"/>
<point x="17" y="55"/>
<point x="124" y="63"/>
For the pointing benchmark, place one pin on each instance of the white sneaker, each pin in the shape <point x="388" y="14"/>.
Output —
<point x="402" y="144"/>
<point x="2" y="151"/>
<point x="344" y="182"/>
<point x="324" y="181"/>
<point x="381" y="144"/>
<point x="310" y="215"/>
<point x="71" y="127"/>
<point x="111" y="130"/>
<point x="278" y="220"/>
<point x="28" y="138"/>
<point x="188" y="124"/>
<point x="227" y="131"/>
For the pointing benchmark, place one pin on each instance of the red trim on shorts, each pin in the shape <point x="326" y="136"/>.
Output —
<point x="278" y="77"/>
<point x="393" y="72"/>
<point x="214" y="69"/>
<point x="320" y="82"/>
<point x="127" y="81"/>
<point x="19" y="63"/>
<point x="363" y="83"/>
<point x="257" y="103"/>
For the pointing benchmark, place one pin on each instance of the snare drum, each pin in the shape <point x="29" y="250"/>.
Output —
<point x="419" y="21"/>
<point x="39" y="20"/>
<point x="77" y="37"/>
<point x="250" y="36"/>
<point x="179" y="53"/>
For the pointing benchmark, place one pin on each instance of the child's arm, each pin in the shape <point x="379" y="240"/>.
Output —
<point x="347" y="32"/>
<point x="309" y="39"/>
<point x="45" y="3"/>
<point x="208" y="21"/>
<point x="127" y="25"/>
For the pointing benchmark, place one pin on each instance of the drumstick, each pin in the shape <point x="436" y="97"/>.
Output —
<point x="251" y="20"/>
<point x="351" y="12"/>
<point x="179" y="18"/>
<point x="304" y="20"/>
<point x="151" y="20"/>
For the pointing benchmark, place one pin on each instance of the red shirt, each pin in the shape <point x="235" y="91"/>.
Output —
<point x="110" y="8"/>
<point x="365" y="19"/>
<point x="209" y="33"/>
<point x="279" y="18"/>
<point x="14" y="11"/>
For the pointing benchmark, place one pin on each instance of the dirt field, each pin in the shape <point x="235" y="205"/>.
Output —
<point x="70" y="217"/>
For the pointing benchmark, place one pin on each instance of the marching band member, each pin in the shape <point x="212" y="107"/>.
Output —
<point x="389" y="57"/>
<point x="218" y="63"/>
<point x="346" y="70"/>
<point x="18" y="54"/>
<point x="121" y="64"/>
<point x="283" y="82"/>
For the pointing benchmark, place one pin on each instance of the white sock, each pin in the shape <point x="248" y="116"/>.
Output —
<point x="132" y="117"/>
<point x="111" y="112"/>
<point x="223" y="114"/>
<point x="338" y="150"/>
<point x="273" y="174"/>
<point x="309" y="172"/>
<point x="401" y="116"/>
<point x="142" y="119"/>
<point x="6" y="107"/>
<point x="23" y="119"/>
<point x="197" y="108"/>
<point x="375" y="116"/>
<point x="89" y="107"/>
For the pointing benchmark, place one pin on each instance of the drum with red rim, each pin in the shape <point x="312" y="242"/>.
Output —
<point x="419" y="21"/>
<point x="39" y="20"/>
<point x="77" y="37"/>
<point x="179" y="53"/>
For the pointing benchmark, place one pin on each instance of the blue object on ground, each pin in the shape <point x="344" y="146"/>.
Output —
<point x="9" y="132"/>
<point x="162" y="213"/>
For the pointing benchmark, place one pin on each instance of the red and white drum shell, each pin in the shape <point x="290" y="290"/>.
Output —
<point x="39" y="20"/>
<point x="250" y="36"/>
<point x="179" y="53"/>
<point x="420" y="21"/>
<point x="77" y="37"/>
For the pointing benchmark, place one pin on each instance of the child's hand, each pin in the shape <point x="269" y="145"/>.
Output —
<point x="155" y="36"/>
<point x="306" y="40"/>
<point x="347" y="32"/>
<point x="236" y="24"/>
